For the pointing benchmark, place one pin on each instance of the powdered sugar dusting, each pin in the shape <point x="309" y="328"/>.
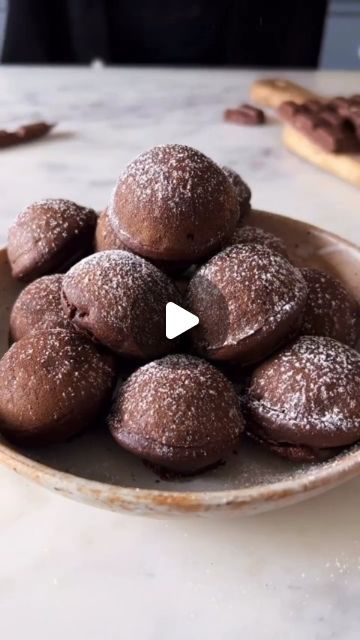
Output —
<point x="51" y="368"/>
<point x="178" y="401"/>
<point x="39" y="304"/>
<point x="106" y="238"/>
<point x="117" y="277"/>
<point x="259" y="287"/>
<point x="242" y="190"/>
<point x="255" y="235"/>
<point x="66" y="209"/>
<point x="168" y="173"/>
<point x="313" y="384"/>
<point x="330" y="310"/>
<point x="174" y="202"/>
<point x="46" y="225"/>
<point x="44" y="293"/>
<point x="68" y="351"/>
<point x="122" y="292"/>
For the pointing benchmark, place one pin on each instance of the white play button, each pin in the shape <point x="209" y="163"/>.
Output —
<point x="178" y="320"/>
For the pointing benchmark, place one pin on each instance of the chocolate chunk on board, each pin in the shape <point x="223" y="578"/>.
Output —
<point x="332" y="125"/>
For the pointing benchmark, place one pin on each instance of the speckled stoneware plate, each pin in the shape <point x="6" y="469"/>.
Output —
<point x="91" y="468"/>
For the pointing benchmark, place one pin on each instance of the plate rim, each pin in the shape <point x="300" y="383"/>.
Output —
<point x="251" y="499"/>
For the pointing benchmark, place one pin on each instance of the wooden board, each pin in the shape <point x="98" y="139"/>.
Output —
<point x="271" y="93"/>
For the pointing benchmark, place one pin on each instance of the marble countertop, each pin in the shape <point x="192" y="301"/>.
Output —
<point x="71" y="571"/>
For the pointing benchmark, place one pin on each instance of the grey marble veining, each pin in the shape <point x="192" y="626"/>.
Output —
<point x="70" y="571"/>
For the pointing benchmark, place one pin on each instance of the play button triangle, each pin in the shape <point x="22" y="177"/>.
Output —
<point x="178" y="320"/>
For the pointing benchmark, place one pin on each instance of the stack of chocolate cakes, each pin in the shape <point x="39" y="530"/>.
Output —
<point x="89" y="326"/>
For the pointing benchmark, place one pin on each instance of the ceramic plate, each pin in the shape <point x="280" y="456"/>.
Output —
<point x="91" y="468"/>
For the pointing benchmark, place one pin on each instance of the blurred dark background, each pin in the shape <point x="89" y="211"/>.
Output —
<point x="245" y="33"/>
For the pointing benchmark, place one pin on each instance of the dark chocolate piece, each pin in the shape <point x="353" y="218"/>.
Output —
<point x="245" y="114"/>
<point x="25" y="133"/>
<point x="304" y="119"/>
<point x="287" y="110"/>
<point x="333" y="125"/>
<point x="329" y="138"/>
<point x="313" y="104"/>
<point x="8" y="139"/>
<point x="332" y="118"/>
<point x="338" y="103"/>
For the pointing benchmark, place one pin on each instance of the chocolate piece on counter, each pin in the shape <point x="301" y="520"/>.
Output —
<point x="306" y="398"/>
<point x="233" y="115"/>
<point x="245" y="114"/>
<point x="26" y="133"/>
<point x="8" y="139"/>
<point x="252" y="115"/>
<point x="53" y="384"/>
<point x="33" y="131"/>
<point x="178" y="413"/>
